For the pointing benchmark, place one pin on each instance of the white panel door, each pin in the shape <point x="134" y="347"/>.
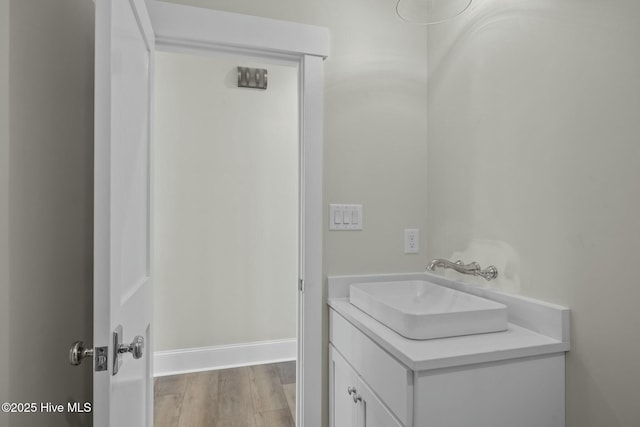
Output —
<point x="122" y="284"/>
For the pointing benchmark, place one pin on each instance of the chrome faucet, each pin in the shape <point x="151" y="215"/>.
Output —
<point x="472" y="269"/>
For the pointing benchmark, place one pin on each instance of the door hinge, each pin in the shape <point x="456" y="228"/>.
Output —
<point x="301" y="285"/>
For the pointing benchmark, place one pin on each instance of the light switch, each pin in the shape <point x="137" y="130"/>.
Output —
<point x="355" y="217"/>
<point x="337" y="216"/>
<point x="345" y="217"/>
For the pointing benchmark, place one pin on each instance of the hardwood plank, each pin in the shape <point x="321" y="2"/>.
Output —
<point x="166" y="410"/>
<point x="277" y="418"/>
<point x="234" y="394"/>
<point x="258" y="372"/>
<point x="204" y="383"/>
<point x="200" y="403"/>
<point x="173" y="384"/>
<point x="242" y="397"/>
<point x="267" y="394"/>
<point x="290" y="395"/>
<point x="246" y="420"/>
<point x="287" y="372"/>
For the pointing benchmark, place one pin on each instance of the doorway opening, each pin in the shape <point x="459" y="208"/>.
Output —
<point x="226" y="246"/>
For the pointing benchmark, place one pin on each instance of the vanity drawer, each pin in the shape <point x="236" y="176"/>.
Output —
<point x="391" y="381"/>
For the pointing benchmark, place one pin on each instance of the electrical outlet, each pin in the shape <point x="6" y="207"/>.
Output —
<point x="411" y="240"/>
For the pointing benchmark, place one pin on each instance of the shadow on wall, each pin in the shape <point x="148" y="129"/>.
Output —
<point x="488" y="21"/>
<point x="593" y="396"/>
<point x="533" y="140"/>
<point x="50" y="204"/>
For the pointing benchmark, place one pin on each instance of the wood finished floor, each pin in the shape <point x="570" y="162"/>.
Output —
<point x="253" y="396"/>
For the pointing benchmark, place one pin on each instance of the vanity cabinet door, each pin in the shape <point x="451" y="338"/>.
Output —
<point x="371" y="411"/>
<point x="353" y="404"/>
<point x="344" y="384"/>
<point x="390" y="380"/>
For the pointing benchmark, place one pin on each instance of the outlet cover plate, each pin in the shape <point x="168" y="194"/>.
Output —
<point x="411" y="240"/>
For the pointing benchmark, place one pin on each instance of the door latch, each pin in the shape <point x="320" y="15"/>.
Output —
<point x="78" y="353"/>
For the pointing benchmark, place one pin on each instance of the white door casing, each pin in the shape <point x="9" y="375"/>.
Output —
<point x="182" y="28"/>
<point x="124" y="57"/>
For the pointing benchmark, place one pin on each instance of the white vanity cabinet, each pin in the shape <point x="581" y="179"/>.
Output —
<point x="354" y="403"/>
<point x="515" y="378"/>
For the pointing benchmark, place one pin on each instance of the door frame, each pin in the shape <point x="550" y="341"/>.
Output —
<point x="191" y="29"/>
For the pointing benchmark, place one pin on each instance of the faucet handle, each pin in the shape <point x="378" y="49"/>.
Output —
<point x="490" y="272"/>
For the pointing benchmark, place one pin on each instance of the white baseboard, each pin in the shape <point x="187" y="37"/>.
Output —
<point x="174" y="362"/>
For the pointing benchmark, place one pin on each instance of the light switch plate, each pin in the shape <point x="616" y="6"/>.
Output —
<point x="345" y="217"/>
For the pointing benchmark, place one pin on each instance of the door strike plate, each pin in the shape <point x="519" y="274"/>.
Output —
<point x="101" y="357"/>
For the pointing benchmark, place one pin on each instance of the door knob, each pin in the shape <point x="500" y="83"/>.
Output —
<point x="136" y="348"/>
<point x="78" y="352"/>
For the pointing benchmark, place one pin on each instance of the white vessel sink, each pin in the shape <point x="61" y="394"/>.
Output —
<point x="422" y="310"/>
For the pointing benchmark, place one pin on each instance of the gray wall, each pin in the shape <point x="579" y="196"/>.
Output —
<point x="225" y="220"/>
<point x="50" y="203"/>
<point x="534" y="154"/>
<point x="375" y="150"/>
<point x="4" y="205"/>
<point x="374" y="130"/>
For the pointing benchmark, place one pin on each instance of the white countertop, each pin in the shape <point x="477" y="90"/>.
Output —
<point x="421" y="355"/>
